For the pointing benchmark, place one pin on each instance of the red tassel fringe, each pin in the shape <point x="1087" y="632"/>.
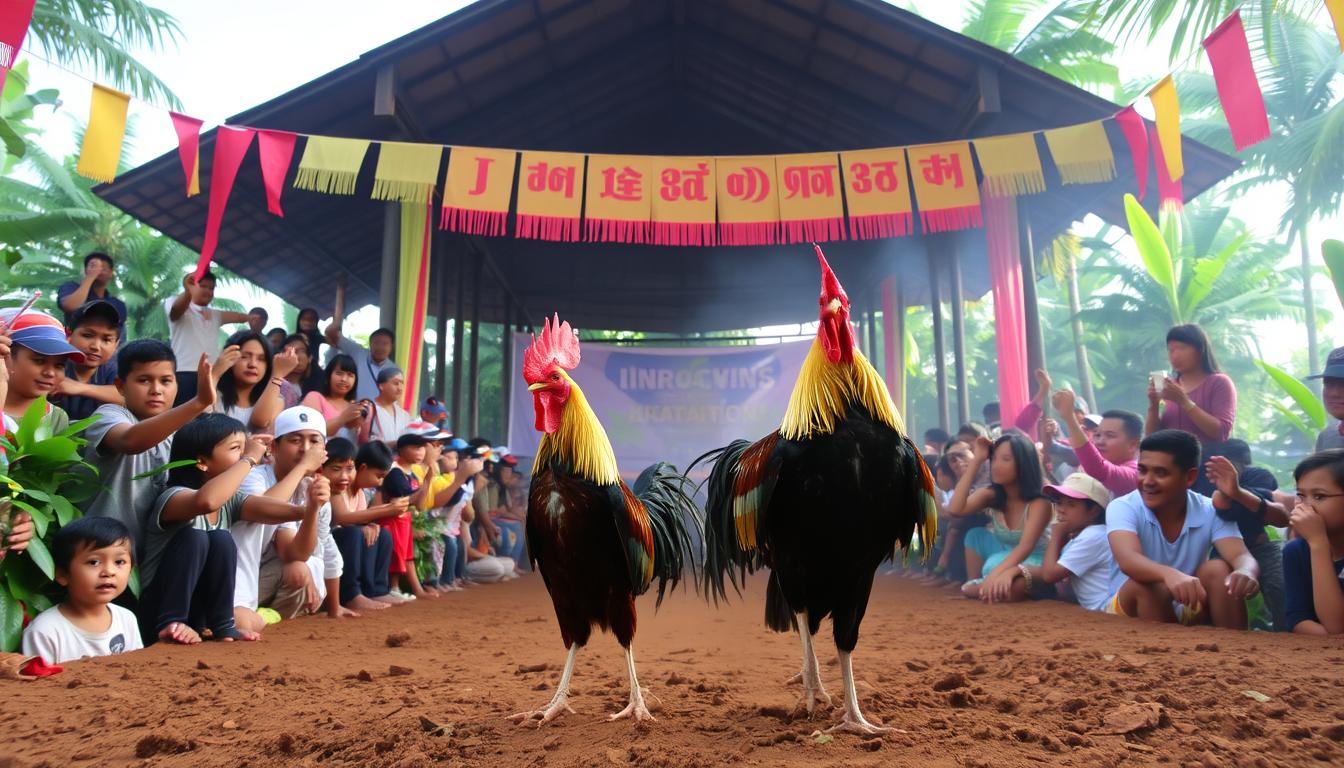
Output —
<point x="471" y="222"/>
<point x="680" y="233"/>
<point x="757" y="233"/>
<point x="617" y="231"/>
<point x="880" y="225"/>
<point x="951" y="219"/>
<point x="552" y="228"/>
<point x="814" y="230"/>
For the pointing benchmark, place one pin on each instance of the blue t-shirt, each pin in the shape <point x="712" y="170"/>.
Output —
<point x="83" y="407"/>
<point x="1201" y="529"/>
<point x="1301" y="604"/>
<point x="71" y="286"/>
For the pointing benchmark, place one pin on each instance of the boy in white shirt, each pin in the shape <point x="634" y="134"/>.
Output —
<point x="93" y="563"/>
<point x="193" y="328"/>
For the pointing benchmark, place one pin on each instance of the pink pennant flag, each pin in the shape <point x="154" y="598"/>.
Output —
<point x="15" y="16"/>
<point x="230" y="146"/>
<point x="1169" y="190"/>
<point x="1136" y="136"/>
<point x="189" y="149"/>
<point x="277" y="149"/>
<point x="1238" y="88"/>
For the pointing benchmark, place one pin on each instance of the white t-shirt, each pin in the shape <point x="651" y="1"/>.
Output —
<point x="56" y="640"/>
<point x="193" y="334"/>
<point x="259" y="540"/>
<point x="388" y="423"/>
<point x="1088" y="557"/>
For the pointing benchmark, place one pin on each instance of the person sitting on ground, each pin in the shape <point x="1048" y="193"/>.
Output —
<point x="93" y="563"/>
<point x="193" y="327"/>
<point x="249" y="390"/>
<point x="335" y="400"/>
<point x="951" y="564"/>
<point x="1199" y="398"/>
<point x="1161" y="535"/>
<point x="371" y="361"/>
<point x="129" y="442"/>
<point x="510" y="516"/>
<point x="99" y="272"/>
<point x="1313" y="563"/>
<point x="190" y="559"/>
<point x="449" y="490"/>
<point x="1019" y="515"/>
<point x="36" y="365"/>
<point x="287" y="566"/>
<point x="402" y="482"/>
<point x="482" y="566"/>
<point x="387" y="419"/>
<point x="88" y="384"/>
<point x="1244" y="494"/>
<point x="471" y="462"/>
<point x="1113" y="457"/>
<point x="365" y="546"/>
<point x="1078" y="564"/>
<point x="291" y="386"/>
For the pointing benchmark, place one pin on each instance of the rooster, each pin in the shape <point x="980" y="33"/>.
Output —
<point x="821" y="502"/>
<point x="597" y="543"/>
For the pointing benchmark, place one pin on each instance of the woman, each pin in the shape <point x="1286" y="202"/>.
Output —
<point x="307" y="329"/>
<point x="388" y="419"/>
<point x="1019" y="515"/>
<point x="335" y="399"/>
<point x="249" y="390"/>
<point x="291" y="387"/>
<point x="1199" y="398"/>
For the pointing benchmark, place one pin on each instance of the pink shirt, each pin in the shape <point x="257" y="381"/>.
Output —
<point x="1119" y="479"/>
<point x="1216" y="396"/>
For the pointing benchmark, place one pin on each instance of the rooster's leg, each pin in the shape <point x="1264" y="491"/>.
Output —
<point x="560" y="702"/>
<point x="811" y="674"/>
<point x="635" y="709"/>
<point x="854" y="721"/>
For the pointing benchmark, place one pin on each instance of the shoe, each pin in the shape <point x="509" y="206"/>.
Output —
<point x="405" y="597"/>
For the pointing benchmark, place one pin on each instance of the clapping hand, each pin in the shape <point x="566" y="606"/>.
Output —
<point x="205" y="383"/>
<point x="1223" y="474"/>
<point x="1043" y="384"/>
<point x="1064" y="402"/>
<point x="284" y="363"/>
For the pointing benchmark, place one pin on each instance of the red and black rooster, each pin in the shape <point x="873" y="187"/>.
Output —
<point x="597" y="544"/>
<point x="822" y="501"/>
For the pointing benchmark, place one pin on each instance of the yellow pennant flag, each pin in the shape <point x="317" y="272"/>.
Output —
<point x="1168" y="108"/>
<point x="406" y="172"/>
<point x="1011" y="165"/>
<point x="101" y="152"/>
<point x="1082" y="153"/>
<point x="331" y="165"/>
<point x="1336" y="9"/>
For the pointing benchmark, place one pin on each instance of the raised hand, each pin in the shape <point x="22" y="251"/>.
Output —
<point x="1064" y="402"/>
<point x="319" y="492"/>
<point x="257" y="446"/>
<point x="284" y="363"/>
<point x="982" y="449"/>
<point x="1043" y="383"/>
<point x="20" y="533"/>
<point x="1223" y="474"/>
<point x="1172" y="392"/>
<point x="226" y="360"/>
<point x="313" y="458"/>
<point x="205" y="383"/>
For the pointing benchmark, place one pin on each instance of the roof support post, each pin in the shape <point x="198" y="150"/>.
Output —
<point x="1030" y="306"/>
<point x="459" y="328"/>
<point x="958" y="332"/>
<point x="893" y="342"/>
<point x="505" y="366"/>
<point x="441" y="322"/>
<point x="473" y="373"/>
<point x="939" y="352"/>
<point x="391" y="272"/>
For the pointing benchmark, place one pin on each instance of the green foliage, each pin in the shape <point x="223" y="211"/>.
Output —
<point x="45" y="477"/>
<point x="1332" y="251"/>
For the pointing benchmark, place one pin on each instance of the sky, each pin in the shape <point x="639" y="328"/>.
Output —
<point x="228" y="61"/>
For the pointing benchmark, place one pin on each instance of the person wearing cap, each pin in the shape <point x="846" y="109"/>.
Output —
<point x="403" y="482"/>
<point x="194" y="326"/>
<point x="434" y="412"/>
<point x="95" y="331"/>
<point x="99" y="272"/>
<point x="36" y="365"/>
<point x="1112" y="457"/>
<point x="449" y="493"/>
<point x="1078" y="564"/>
<point x="510" y="516"/>
<point x="1332" y="392"/>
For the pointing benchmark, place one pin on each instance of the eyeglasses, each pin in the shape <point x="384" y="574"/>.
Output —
<point x="1316" y="498"/>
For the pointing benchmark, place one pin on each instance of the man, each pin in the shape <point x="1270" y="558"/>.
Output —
<point x="1110" y="454"/>
<point x="935" y="440"/>
<point x="256" y="320"/>
<point x="1161" y="535"/>
<point x="193" y="328"/>
<point x="992" y="417"/>
<point x="98" y="274"/>
<point x="1332" y="391"/>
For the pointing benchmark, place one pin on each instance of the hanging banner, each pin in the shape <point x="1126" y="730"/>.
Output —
<point x="1011" y="165"/>
<point x="877" y="191"/>
<point x="1168" y="109"/>
<point x="277" y="150"/>
<point x="1136" y="136"/>
<point x="413" y="296"/>
<point x="1238" y="87"/>
<point x="550" y="198"/>
<point x="1082" y="153"/>
<point x="230" y="146"/>
<point x="1336" y="9"/>
<point x="188" y="130"/>
<point x="1170" y="192"/>
<point x="330" y="165"/>
<point x="406" y="172"/>
<point x="100" y="154"/>
<point x="811" y="205"/>
<point x="748" y="200"/>
<point x="945" y="187"/>
<point x="15" y="15"/>
<point x="477" y="188"/>
<point x="683" y="208"/>
<point x="619" y="199"/>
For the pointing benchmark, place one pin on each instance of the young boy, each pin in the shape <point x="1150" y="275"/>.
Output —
<point x="93" y="563"/>
<point x="1313" y="563"/>
<point x="36" y="364"/>
<point x="95" y="331"/>
<point x="402" y="482"/>
<point x="1161" y="535"/>
<point x="193" y="327"/>
<point x="365" y="546"/>
<point x="133" y="439"/>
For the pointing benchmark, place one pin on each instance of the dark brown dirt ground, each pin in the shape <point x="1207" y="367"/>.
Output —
<point x="967" y="685"/>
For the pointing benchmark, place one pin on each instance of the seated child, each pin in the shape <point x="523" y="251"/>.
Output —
<point x="93" y="563"/>
<point x="1078" y="564"/>
<point x="95" y="330"/>
<point x="401" y="482"/>
<point x="1161" y="535"/>
<point x="1313" y="563"/>
<point x="36" y="364"/>
<point x="365" y="546"/>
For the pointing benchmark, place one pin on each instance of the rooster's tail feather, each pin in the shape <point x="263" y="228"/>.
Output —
<point x="667" y="496"/>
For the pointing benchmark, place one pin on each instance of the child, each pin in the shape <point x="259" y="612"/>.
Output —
<point x="334" y="398"/>
<point x="188" y="569"/>
<point x="401" y="482"/>
<point x="450" y="495"/>
<point x="93" y="563"/>
<point x="1161" y="535"/>
<point x="193" y="327"/>
<point x="129" y="441"/>
<point x="95" y="331"/>
<point x="1078" y="561"/>
<point x="36" y="365"/>
<point x="366" y="547"/>
<point x="1313" y="563"/>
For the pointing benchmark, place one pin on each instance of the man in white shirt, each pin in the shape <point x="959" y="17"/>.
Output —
<point x="193" y="328"/>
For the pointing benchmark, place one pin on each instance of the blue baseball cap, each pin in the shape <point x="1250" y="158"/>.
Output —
<point x="457" y="444"/>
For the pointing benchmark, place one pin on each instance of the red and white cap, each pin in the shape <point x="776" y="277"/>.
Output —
<point x="39" y="332"/>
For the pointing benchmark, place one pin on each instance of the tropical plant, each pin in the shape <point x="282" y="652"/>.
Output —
<point x="17" y="106"/>
<point x="1054" y="41"/>
<point x="1189" y="22"/>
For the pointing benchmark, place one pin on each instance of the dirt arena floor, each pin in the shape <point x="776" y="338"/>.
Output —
<point x="964" y="684"/>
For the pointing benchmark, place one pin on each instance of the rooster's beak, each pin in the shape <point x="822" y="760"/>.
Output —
<point x="536" y="387"/>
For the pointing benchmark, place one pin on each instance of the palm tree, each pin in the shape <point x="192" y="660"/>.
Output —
<point x="1190" y="22"/>
<point x="1056" y="43"/>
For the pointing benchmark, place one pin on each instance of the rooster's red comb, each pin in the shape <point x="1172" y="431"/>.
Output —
<point x="830" y="284"/>
<point x="558" y="344"/>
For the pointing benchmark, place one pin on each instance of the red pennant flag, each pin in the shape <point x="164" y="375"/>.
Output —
<point x="14" y="18"/>
<point x="230" y="146"/>
<point x="1169" y="191"/>
<point x="1238" y="88"/>
<point x="277" y="149"/>
<point x="1136" y="135"/>
<point x="189" y="149"/>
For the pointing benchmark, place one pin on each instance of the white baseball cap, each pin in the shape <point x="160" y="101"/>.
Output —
<point x="300" y="418"/>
